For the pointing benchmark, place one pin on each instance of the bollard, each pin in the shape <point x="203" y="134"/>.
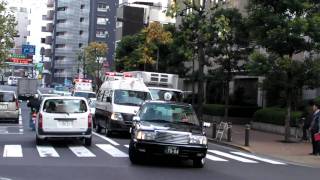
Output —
<point x="214" y="129"/>
<point x="247" y="135"/>
<point x="229" y="132"/>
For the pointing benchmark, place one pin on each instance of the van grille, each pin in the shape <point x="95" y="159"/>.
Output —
<point x="127" y="118"/>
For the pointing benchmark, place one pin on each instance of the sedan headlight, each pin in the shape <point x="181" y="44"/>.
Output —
<point x="198" y="140"/>
<point x="145" y="135"/>
<point x="116" y="116"/>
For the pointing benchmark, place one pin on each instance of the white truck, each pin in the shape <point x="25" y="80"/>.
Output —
<point x="160" y="83"/>
<point x="27" y="87"/>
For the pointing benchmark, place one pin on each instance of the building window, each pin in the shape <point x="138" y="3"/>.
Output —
<point x="103" y="8"/>
<point x="81" y="19"/>
<point x="102" y="21"/>
<point x="101" y="33"/>
<point x="43" y="40"/>
<point x="80" y="45"/>
<point x="60" y="45"/>
<point x="80" y="32"/>
<point x="61" y="21"/>
<point x="62" y="8"/>
<point x="82" y="6"/>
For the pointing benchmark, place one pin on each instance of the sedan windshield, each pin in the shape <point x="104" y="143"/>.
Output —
<point x="65" y="106"/>
<point x="168" y="113"/>
<point x="130" y="98"/>
<point x="85" y="94"/>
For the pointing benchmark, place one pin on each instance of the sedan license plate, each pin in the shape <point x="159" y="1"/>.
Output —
<point x="172" y="150"/>
<point x="64" y="124"/>
<point x="3" y="107"/>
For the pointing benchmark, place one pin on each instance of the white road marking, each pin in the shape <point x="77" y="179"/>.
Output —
<point x="81" y="151"/>
<point x="47" y="151"/>
<point x="107" y="139"/>
<point x="114" y="152"/>
<point x="127" y="145"/>
<point x="237" y="158"/>
<point x="258" y="158"/>
<point x="12" y="151"/>
<point x="214" y="158"/>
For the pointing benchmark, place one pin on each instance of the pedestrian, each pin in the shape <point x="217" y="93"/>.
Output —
<point x="314" y="128"/>
<point x="307" y="119"/>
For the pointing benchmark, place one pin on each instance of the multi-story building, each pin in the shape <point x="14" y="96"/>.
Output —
<point x="75" y="24"/>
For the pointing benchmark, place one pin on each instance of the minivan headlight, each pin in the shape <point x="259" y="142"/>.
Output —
<point x="116" y="116"/>
<point x="198" y="140"/>
<point x="145" y="135"/>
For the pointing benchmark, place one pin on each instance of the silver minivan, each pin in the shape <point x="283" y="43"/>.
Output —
<point x="64" y="117"/>
<point x="9" y="106"/>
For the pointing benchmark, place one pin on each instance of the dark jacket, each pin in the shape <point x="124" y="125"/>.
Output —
<point x="314" y="127"/>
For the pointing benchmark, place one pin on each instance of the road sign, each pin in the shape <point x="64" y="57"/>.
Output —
<point x="28" y="49"/>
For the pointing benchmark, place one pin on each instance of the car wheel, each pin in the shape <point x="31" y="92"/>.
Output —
<point x="97" y="127"/>
<point x="16" y="121"/>
<point x="198" y="162"/>
<point x="133" y="155"/>
<point x="88" y="141"/>
<point x="39" y="141"/>
<point x="108" y="131"/>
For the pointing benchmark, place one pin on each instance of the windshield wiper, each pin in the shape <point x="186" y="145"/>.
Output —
<point x="157" y="120"/>
<point x="129" y="104"/>
<point x="186" y="123"/>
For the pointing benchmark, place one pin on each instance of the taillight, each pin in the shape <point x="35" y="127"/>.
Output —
<point x="40" y="121"/>
<point x="17" y="104"/>
<point x="89" y="120"/>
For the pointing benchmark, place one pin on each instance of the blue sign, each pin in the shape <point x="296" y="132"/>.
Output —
<point x="28" y="50"/>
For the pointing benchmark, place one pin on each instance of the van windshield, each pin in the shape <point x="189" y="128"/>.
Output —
<point x="65" y="106"/>
<point x="130" y="98"/>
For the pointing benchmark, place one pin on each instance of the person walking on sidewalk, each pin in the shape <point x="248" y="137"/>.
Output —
<point x="314" y="128"/>
<point x="307" y="119"/>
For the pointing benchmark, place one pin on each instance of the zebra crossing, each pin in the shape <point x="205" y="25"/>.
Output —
<point x="120" y="151"/>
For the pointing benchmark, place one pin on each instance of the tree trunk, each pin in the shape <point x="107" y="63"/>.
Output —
<point x="193" y="83"/>
<point x="200" y="78"/>
<point x="288" y="117"/>
<point x="226" y="101"/>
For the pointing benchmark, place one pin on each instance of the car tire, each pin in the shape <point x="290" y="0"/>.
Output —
<point x="97" y="127"/>
<point x="198" y="162"/>
<point x="134" y="155"/>
<point x="88" y="141"/>
<point x="39" y="141"/>
<point x="16" y="121"/>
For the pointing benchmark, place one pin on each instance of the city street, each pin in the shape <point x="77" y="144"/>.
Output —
<point x="107" y="158"/>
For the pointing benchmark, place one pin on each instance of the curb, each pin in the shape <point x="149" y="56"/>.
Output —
<point x="241" y="148"/>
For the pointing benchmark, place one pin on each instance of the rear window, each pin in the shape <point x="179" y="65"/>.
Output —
<point x="65" y="106"/>
<point x="6" y="97"/>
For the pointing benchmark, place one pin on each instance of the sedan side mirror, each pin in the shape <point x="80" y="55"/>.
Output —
<point x="136" y="119"/>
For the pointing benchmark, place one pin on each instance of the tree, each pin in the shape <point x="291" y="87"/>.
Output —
<point x="230" y="50"/>
<point x="200" y="33"/>
<point x="285" y="28"/>
<point x="7" y="32"/>
<point x="95" y="54"/>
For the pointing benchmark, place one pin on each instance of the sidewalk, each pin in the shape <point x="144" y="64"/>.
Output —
<point x="272" y="145"/>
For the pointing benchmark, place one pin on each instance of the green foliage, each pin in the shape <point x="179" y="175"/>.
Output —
<point x="275" y="116"/>
<point x="7" y="32"/>
<point x="234" y="111"/>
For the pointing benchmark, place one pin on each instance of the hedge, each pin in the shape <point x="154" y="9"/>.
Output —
<point x="276" y="116"/>
<point x="234" y="111"/>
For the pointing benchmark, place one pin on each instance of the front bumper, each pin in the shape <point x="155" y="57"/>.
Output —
<point x="158" y="149"/>
<point x="120" y="126"/>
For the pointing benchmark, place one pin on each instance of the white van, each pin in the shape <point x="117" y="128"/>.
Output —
<point x="64" y="117"/>
<point x="117" y="102"/>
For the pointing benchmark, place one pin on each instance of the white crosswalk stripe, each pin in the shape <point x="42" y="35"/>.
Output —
<point x="227" y="155"/>
<point x="81" y="151"/>
<point x="107" y="139"/>
<point x="12" y="151"/>
<point x="251" y="156"/>
<point x="114" y="152"/>
<point x="47" y="151"/>
<point x="214" y="158"/>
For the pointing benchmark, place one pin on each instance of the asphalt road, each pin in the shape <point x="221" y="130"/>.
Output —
<point x="21" y="159"/>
